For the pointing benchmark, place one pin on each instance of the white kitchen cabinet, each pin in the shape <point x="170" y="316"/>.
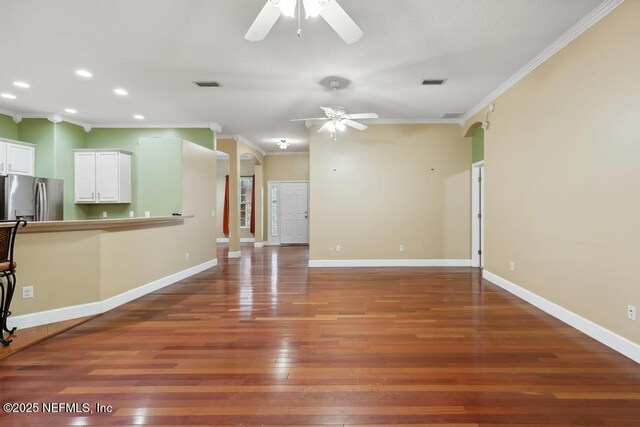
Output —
<point x="102" y="176"/>
<point x="17" y="158"/>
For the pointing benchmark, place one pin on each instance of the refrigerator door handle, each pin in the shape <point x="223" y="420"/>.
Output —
<point x="45" y="202"/>
<point x="37" y="210"/>
<point x="41" y="202"/>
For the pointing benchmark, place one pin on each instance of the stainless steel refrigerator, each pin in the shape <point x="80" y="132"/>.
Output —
<point x="31" y="198"/>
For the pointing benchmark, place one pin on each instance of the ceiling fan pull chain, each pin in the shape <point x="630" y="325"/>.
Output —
<point x="299" y="22"/>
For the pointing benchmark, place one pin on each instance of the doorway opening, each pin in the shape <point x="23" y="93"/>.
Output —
<point x="288" y="212"/>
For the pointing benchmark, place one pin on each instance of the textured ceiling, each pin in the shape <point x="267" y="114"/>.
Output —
<point x="157" y="48"/>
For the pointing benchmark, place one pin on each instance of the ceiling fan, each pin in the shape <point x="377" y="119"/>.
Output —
<point x="330" y="11"/>
<point x="337" y="119"/>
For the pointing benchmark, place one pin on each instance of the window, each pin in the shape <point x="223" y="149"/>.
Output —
<point x="246" y="186"/>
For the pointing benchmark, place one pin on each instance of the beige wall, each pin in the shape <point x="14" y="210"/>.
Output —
<point x="563" y="176"/>
<point x="390" y="185"/>
<point x="79" y="267"/>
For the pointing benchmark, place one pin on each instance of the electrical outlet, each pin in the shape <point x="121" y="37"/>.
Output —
<point x="512" y="266"/>
<point x="213" y="214"/>
<point x="401" y="248"/>
<point x="147" y="214"/>
<point x="187" y="255"/>
<point x="338" y="248"/>
<point x="131" y="214"/>
<point x="27" y="292"/>
<point x="631" y="312"/>
<point x="104" y="214"/>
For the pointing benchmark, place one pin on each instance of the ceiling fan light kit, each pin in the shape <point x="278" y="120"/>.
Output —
<point x="283" y="144"/>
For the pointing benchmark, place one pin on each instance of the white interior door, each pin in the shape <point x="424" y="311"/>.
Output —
<point x="477" y="216"/>
<point x="294" y="213"/>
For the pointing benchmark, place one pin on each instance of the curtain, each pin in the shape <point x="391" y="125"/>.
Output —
<point x="225" y="215"/>
<point x="253" y="205"/>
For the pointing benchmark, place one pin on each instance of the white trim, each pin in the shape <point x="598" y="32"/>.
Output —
<point x="258" y="245"/>
<point x="478" y="164"/>
<point x="271" y="244"/>
<point x="234" y="254"/>
<point x="587" y="22"/>
<point x="242" y="240"/>
<point x="93" y="308"/>
<point x="313" y="263"/>
<point x="240" y="138"/>
<point x="287" y="153"/>
<point x="605" y="336"/>
<point x="8" y="112"/>
<point x="152" y="125"/>
<point x="125" y="297"/>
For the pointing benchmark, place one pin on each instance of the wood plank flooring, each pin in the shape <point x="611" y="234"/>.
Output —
<point x="262" y="340"/>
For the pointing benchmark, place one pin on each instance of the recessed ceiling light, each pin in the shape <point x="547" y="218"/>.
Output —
<point x="23" y="85"/>
<point x="120" y="91"/>
<point x="84" y="73"/>
<point x="70" y="110"/>
<point x="8" y="95"/>
<point x="138" y="117"/>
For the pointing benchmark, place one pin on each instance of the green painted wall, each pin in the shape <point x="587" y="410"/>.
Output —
<point x="8" y="128"/>
<point x="42" y="133"/>
<point x="163" y="154"/>
<point x="477" y="145"/>
<point x="159" y="188"/>
<point x="156" y="167"/>
<point x="69" y="137"/>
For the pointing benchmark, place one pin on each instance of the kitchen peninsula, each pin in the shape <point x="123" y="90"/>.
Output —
<point x="83" y="266"/>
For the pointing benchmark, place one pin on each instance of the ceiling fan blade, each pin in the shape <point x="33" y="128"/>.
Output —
<point x="358" y="116"/>
<point x="330" y="112"/>
<point x="355" y="125"/>
<point x="264" y="22"/>
<point x="341" y="22"/>
<point x="325" y="127"/>
<point x="309" y="119"/>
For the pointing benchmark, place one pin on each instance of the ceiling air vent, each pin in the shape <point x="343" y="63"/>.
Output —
<point x="433" y="82"/>
<point x="452" y="115"/>
<point x="208" y="84"/>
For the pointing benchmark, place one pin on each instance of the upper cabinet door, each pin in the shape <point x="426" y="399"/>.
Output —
<point x="85" y="173"/>
<point x="3" y="158"/>
<point x="108" y="182"/>
<point x="20" y="159"/>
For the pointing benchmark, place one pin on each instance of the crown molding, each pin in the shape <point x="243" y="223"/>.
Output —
<point x="7" y="112"/>
<point x="287" y="153"/>
<point x="152" y="126"/>
<point x="587" y="22"/>
<point x="240" y="138"/>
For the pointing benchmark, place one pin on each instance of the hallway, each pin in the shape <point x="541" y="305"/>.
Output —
<point x="263" y="340"/>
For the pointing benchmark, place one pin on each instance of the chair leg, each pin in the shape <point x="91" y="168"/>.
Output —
<point x="11" y="287"/>
<point x="4" y="310"/>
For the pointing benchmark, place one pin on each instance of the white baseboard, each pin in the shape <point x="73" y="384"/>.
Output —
<point x="605" y="336"/>
<point x="234" y="254"/>
<point x="93" y="308"/>
<point x="258" y="245"/>
<point x="389" y="263"/>
<point x="271" y="244"/>
<point x="242" y="240"/>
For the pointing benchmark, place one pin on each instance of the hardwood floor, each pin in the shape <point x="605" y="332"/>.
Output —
<point x="262" y="340"/>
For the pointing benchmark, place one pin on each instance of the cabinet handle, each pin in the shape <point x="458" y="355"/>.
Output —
<point x="93" y="196"/>
<point x="1" y="166"/>
<point x="9" y="167"/>
<point x="98" y="196"/>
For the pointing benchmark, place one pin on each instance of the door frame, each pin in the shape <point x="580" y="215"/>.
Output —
<point x="276" y="240"/>
<point x="477" y="206"/>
